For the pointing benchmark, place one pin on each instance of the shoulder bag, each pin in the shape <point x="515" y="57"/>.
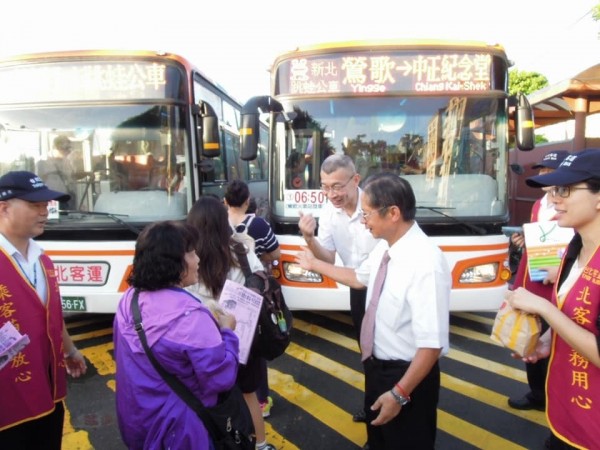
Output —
<point x="229" y="422"/>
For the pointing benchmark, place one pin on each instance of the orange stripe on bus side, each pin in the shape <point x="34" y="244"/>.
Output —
<point x="89" y="252"/>
<point x="124" y="285"/>
<point x="459" y="268"/>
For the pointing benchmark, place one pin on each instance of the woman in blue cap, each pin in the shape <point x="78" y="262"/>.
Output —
<point x="573" y="341"/>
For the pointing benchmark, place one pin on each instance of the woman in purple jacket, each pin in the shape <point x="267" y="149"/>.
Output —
<point x="188" y="341"/>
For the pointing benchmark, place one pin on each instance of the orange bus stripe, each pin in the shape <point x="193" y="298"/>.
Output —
<point x="444" y="248"/>
<point x="473" y="248"/>
<point x="89" y="252"/>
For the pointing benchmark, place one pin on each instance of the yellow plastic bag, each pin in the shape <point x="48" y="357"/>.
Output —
<point x="516" y="330"/>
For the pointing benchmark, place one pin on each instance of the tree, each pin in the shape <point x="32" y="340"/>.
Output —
<point x="520" y="81"/>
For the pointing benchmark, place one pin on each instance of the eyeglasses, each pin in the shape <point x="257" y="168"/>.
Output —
<point x="336" y="187"/>
<point x="365" y="216"/>
<point x="564" y="191"/>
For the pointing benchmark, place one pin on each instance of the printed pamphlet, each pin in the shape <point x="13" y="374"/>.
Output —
<point x="245" y="305"/>
<point x="545" y="243"/>
<point x="11" y="343"/>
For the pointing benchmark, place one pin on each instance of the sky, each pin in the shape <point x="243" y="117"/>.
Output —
<point x="234" y="42"/>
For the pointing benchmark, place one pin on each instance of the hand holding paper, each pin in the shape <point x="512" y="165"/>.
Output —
<point x="545" y="243"/>
<point x="11" y="343"/>
<point x="245" y="305"/>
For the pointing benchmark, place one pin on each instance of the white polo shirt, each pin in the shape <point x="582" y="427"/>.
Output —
<point x="414" y="306"/>
<point x="345" y="235"/>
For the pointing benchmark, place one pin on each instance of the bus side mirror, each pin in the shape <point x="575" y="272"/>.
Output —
<point x="249" y="132"/>
<point x="207" y="134"/>
<point x="249" y="137"/>
<point x="524" y="124"/>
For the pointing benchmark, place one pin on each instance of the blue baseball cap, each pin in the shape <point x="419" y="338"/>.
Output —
<point x="575" y="168"/>
<point x="551" y="160"/>
<point x="29" y="187"/>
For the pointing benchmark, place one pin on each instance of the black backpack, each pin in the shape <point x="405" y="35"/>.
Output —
<point x="274" y="325"/>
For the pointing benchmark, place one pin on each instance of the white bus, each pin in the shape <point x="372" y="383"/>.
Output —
<point x="147" y="134"/>
<point x="435" y="113"/>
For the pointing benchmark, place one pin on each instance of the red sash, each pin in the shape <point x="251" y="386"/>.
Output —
<point x="573" y="384"/>
<point x="25" y="380"/>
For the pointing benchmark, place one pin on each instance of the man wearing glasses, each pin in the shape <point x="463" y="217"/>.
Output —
<point x="341" y="230"/>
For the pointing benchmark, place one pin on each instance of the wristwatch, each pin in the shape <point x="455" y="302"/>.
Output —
<point x="400" y="399"/>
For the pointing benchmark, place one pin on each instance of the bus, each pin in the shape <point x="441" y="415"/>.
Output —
<point x="435" y="113"/>
<point x="145" y="134"/>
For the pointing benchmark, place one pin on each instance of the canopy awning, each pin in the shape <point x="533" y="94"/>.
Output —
<point x="561" y="101"/>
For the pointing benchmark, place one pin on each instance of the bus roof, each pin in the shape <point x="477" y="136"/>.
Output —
<point x="108" y="53"/>
<point x="393" y="43"/>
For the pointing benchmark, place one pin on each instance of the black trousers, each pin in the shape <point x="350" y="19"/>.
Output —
<point x="536" y="376"/>
<point x="414" y="428"/>
<point x="358" y="299"/>
<point x="44" y="433"/>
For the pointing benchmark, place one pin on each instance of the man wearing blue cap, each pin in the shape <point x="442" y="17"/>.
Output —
<point x="573" y="340"/>
<point x="542" y="210"/>
<point x="34" y="382"/>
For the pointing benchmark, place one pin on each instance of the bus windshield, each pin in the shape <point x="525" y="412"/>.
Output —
<point x="124" y="160"/>
<point x="447" y="147"/>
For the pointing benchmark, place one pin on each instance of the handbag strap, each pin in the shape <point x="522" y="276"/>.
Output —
<point x="180" y="389"/>
<point x="240" y="251"/>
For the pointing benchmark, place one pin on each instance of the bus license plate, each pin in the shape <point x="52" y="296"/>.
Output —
<point x="73" y="304"/>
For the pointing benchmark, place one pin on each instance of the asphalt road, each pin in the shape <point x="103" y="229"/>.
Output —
<point x="317" y="386"/>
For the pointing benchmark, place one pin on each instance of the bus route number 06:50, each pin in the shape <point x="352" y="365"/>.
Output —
<point x="315" y="197"/>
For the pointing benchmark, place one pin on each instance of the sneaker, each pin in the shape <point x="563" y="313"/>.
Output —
<point x="265" y="407"/>
<point x="267" y="447"/>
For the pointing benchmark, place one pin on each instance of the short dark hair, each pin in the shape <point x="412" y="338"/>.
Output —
<point x="388" y="189"/>
<point x="159" y="260"/>
<point x="593" y="184"/>
<point x="237" y="193"/>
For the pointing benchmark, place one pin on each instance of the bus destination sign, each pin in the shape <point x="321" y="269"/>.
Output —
<point x="378" y="73"/>
<point x="85" y="80"/>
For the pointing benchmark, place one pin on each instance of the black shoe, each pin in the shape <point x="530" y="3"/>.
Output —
<point x="526" y="403"/>
<point x="359" y="416"/>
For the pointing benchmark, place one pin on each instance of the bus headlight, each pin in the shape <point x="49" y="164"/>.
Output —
<point x="294" y="272"/>
<point x="483" y="273"/>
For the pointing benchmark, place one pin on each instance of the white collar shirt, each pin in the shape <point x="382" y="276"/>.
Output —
<point x="345" y="235"/>
<point x="414" y="306"/>
<point x="30" y="267"/>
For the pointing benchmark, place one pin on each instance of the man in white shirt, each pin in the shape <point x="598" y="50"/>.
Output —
<point x="340" y="230"/>
<point x="411" y="317"/>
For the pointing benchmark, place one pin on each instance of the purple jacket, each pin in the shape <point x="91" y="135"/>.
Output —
<point x="186" y="340"/>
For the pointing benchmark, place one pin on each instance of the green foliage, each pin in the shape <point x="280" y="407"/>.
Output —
<point x="596" y="12"/>
<point x="520" y="81"/>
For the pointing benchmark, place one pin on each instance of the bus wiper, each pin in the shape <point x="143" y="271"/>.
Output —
<point x="114" y="217"/>
<point x="438" y="210"/>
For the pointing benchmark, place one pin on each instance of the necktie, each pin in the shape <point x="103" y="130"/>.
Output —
<point x="367" y="330"/>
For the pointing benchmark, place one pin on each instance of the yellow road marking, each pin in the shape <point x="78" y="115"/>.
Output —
<point x="100" y="357"/>
<point x="447" y="422"/>
<point x="74" y="440"/>
<point x="321" y="409"/>
<point x="91" y="334"/>
<point x="474" y="435"/>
